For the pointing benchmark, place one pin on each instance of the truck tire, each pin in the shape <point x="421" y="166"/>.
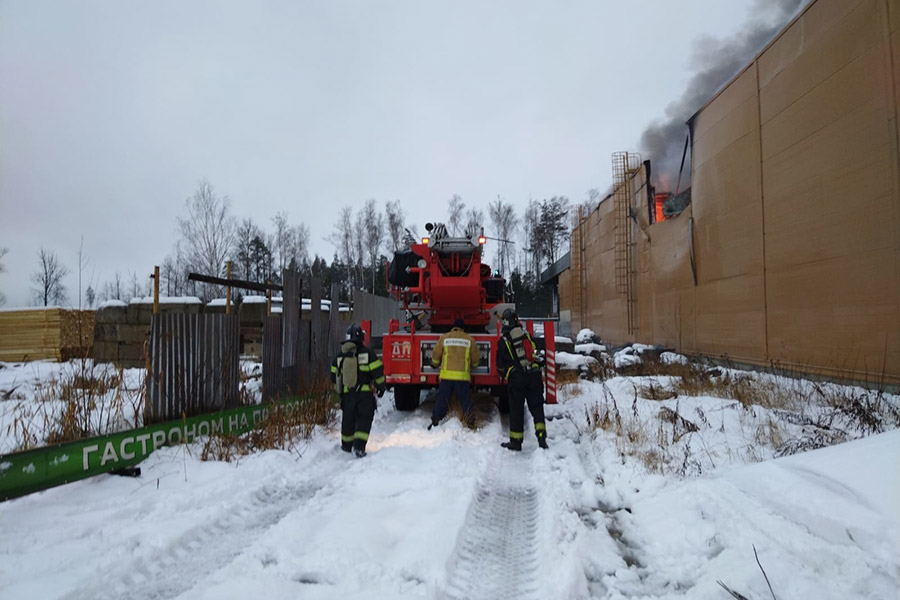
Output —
<point x="406" y="397"/>
<point x="502" y="394"/>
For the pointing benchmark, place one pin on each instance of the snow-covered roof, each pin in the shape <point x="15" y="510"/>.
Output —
<point x="167" y="300"/>
<point x="111" y="303"/>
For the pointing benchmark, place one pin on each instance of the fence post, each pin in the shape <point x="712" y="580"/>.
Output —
<point x="550" y="358"/>
<point x="228" y="291"/>
<point x="156" y="290"/>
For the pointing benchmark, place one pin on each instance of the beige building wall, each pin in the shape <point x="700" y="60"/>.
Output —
<point x="790" y="251"/>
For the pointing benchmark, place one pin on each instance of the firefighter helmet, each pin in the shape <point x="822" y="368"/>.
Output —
<point x="355" y="333"/>
<point x="510" y="318"/>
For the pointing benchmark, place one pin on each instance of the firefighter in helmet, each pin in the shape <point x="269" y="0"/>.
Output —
<point x="456" y="354"/>
<point x="519" y="364"/>
<point x="357" y="372"/>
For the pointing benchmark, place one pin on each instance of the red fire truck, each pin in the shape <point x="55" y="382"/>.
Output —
<point x="437" y="281"/>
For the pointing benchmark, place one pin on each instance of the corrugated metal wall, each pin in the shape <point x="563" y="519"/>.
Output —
<point x="378" y="309"/>
<point x="194" y="365"/>
<point x="297" y="352"/>
<point x="790" y="250"/>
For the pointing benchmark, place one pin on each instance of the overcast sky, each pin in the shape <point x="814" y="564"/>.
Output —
<point x="111" y="112"/>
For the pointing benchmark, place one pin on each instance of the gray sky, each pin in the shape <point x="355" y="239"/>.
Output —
<point x="111" y="112"/>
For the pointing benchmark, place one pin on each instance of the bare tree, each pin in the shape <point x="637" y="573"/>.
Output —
<point x="531" y="221"/>
<point x="135" y="291"/>
<point x="374" y="236"/>
<point x="281" y="240"/>
<point x="300" y="247"/>
<point x="359" y="247"/>
<point x="48" y="279"/>
<point x="82" y="263"/>
<point x="504" y="221"/>
<point x="117" y="286"/>
<point x="474" y="221"/>
<point x="394" y="218"/>
<point x="289" y="244"/>
<point x="173" y="276"/>
<point x="455" y="211"/>
<point x="207" y="234"/>
<point x="342" y="237"/>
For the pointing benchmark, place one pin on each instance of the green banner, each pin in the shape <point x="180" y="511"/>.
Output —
<point x="34" y="470"/>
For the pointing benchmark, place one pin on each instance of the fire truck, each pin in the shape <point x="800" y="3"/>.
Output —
<point x="437" y="281"/>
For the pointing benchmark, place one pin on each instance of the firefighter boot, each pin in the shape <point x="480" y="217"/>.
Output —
<point x="513" y="444"/>
<point x="346" y="447"/>
<point x="359" y="448"/>
<point x="542" y="439"/>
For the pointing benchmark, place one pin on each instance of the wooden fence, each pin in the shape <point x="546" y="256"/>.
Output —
<point x="194" y="365"/>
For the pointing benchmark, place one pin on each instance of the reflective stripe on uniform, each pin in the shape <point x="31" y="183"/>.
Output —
<point x="455" y="375"/>
<point x="362" y="435"/>
<point x="362" y="388"/>
<point x="540" y="427"/>
<point x="516" y="435"/>
<point x="346" y="438"/>
<point x="371" y="366"/>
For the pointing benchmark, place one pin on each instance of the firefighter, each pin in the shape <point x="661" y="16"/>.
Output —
<point x="519" y="364"/>
<point x="357" y="372"/>
<point x="456" y="354"/>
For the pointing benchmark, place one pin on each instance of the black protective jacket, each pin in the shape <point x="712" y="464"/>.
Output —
<point x="370" y="374"/>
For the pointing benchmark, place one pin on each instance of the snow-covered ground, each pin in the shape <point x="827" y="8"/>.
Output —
<point x="628" y="502"/>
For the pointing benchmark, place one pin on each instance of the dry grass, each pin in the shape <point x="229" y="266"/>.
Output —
<point x="84" y="400"/>
<point x="777" y="415"/>
<point x="282" y="428"/>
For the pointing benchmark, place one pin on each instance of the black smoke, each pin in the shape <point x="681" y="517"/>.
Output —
<point x="715" y="61"/>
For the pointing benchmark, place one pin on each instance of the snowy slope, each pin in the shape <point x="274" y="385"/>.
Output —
<point x="449" y="514"/>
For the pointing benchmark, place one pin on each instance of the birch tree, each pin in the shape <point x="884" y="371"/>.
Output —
<point x="395" y="223"/>
<point x="207" y="234"/>
<point x="504" y="221"/>
<point x="474" y="221"/>
<point x="455" y="211"/>
<point x="373" y="235"/>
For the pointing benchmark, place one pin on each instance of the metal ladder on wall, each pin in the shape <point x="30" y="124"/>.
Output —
<point x="577" y="268"/>
<point x="625" y="165"/>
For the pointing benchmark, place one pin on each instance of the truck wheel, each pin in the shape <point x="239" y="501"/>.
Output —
<point x="406" y="397"/>
<point x="502" y="394"/>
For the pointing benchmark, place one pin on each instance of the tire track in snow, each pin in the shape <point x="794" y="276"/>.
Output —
<point x="199" y="551"/>
<point x="496" y="554"/>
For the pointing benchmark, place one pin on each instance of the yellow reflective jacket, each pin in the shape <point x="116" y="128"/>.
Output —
<point x="456" y="353"/>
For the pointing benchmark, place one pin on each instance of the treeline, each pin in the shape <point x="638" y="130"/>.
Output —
<point x="209" y="236"/>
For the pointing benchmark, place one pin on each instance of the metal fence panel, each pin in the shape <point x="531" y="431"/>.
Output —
<point x="378" y="309"/>
<point x="194" y="365"/>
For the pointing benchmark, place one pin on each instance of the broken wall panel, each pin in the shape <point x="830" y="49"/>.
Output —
<point x="728" y="214"/>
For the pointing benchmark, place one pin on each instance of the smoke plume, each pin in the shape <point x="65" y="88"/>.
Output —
<point x="715" y="62"/>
